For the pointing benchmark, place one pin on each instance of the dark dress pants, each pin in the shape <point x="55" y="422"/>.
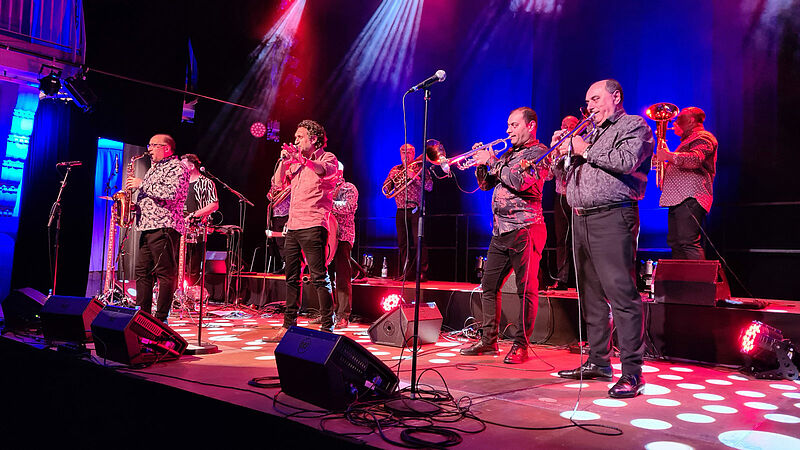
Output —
<point x="343" y="274"/>
<point x="311" y="243"/>
<point x="605" y="248"/>
<point x="520" y="250"/>
<point x="407" y="223"/>
<point x="562" y="215"/>
<point x="683" y="235"/>
<point x="156" y="260"/>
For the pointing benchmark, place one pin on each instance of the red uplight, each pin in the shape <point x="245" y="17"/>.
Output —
<point x="749" y="337"/>
<point x="391" y="302"/>
<point x="258" y="129"/>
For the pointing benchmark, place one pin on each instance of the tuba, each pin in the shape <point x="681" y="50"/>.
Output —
<point x="661" y="113"/>
<point x="400" y="180"/>
<point x="123" y="199"/>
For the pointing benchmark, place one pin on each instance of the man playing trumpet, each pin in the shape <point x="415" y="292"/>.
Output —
<point x="518" y="234"/>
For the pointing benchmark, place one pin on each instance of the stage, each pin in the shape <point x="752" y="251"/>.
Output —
<point x="206" y="398"/>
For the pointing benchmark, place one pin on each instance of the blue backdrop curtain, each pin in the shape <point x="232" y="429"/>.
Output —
<point x="61" y="132"/>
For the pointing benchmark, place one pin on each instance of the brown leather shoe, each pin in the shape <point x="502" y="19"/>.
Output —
<point x="341" y="323"/>
<point x="628" y="386"/>
<point x="517" y="355"/>
<point x="480" y="348"/>
<point x="277" y="337"/>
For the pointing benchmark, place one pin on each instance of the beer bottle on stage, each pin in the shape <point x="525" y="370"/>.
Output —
<point x="384" y="269"/>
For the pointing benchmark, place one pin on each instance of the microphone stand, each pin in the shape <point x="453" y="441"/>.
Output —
<point x="55" y="214"/>
<point x="243" y="202"/>
<point x="202" y="348"/>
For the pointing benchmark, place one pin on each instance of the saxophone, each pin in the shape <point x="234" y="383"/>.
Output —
<point x="123" y="199"/>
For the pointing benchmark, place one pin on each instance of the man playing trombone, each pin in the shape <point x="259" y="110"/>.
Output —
<point x="518" y="233"/>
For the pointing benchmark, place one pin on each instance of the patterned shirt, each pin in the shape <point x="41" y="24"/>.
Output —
<point x="412" y="195"/>
<point x="615" y="166"/>
<point x="517" y="196"/>
<point x="345" y="203"/>
<point x="312" y="194"/>
<point x="202" y="193"/>
<point x="691" y="175"/>
<point x="162" y="195"/>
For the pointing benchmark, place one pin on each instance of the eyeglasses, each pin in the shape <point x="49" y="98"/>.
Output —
<point x="149" y="146"/>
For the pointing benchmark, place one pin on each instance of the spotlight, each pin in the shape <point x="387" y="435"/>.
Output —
<point x="80" y="92"/>
<point x="391" y="302"/>
<point x="258" y="129"/>
<point x="50" y="84"/>
<point x="766" y="353"/>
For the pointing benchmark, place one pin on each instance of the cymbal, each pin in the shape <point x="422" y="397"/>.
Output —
<point x="105" y="197"/>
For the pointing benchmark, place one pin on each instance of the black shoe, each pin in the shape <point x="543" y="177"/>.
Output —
<point x="480" y="348"/>
<point x="628" y="386"/>
<point x="327" y="327"/>
<point x="517" y="355"/>
<point x="590" y="372"/>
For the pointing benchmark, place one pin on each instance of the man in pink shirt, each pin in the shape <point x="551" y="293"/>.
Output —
<point x="311" y="171"/>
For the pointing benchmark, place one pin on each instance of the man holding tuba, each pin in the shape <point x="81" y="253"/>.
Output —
<point x="311" y="172"/>
<point x="606" y="179"/>
<point x="688" y="183"/>
<point x="404" y="184"/>
<point x="159" y="200"/>
<point x="518" y="235"/>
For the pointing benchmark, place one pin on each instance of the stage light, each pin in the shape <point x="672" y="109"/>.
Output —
<point x="391" y="302"/>
<point x="81" y="94"/>
<point x="258" y="129"/>
<point x="50" y="84"/>
<point x="766" y="353"/>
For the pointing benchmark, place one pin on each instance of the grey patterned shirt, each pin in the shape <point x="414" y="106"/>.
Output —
<point x="517" y="196"/>
<point x="616" y="164"/>
<point x="162" y="195"/>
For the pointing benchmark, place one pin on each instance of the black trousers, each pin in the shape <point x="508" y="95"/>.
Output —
<point x="605" y="248"/>
<point x="311" y="243"/>
<point x="683" y="235"/>
<point x="194" y="260"/>
<point x="157" y="260"/>
<point x="407" y="223"/>
<point x="343" y="275"/>
<point x="562" y="215"/>
<point x="520" y="250"/>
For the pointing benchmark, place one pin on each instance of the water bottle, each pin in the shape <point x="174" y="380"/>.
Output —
<point x="384" y="269"/>
<point x="648" y="278"/>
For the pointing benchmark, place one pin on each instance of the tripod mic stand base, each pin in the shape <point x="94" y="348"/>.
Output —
<point x="405" y="406"/>
<point x="202" y="349"/>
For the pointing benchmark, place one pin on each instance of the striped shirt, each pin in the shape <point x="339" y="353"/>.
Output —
<point x="202" y="193"/>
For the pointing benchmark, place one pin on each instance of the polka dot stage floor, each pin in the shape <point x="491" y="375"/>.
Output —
<point x="684" y="405"/>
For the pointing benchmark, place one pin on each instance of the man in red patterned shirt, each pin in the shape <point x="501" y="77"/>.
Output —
<point x="688" y="183"/>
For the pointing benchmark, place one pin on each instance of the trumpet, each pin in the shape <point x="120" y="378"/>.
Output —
<point x="467" y="159"/>
<point x="398" y="182"/>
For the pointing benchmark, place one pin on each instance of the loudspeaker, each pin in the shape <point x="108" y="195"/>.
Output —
<point x="396" y="327"/>
<point x="21" y="309"/>
<point x="330" y="370"/>
<point x="690" y="282"/>
<point x="130" y="336"/>
<point x="69" y="319"/>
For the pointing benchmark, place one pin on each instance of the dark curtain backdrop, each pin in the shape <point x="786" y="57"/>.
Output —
<point x="61" y="132"/>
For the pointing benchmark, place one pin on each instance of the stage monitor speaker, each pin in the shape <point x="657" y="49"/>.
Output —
<point x="690" y="282"/>
<point x="69" y="319"/>
<point x="396" y="327"/>
<point x="330" y="370"/>
<point x="130" y="336"/>
<point x="216" y="262"/>
<point x="21" y="309"/>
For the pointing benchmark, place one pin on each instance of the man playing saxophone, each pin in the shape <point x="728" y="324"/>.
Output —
<point x="159" y="217"/>
<point x="518" y="235"/>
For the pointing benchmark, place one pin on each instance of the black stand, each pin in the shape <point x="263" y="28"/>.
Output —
<point x="202" y="348"/>
<point x="55" y="214"/>
<point x="243" y="202"/>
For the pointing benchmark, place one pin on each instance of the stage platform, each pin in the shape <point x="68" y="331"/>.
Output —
<point x="203" y="400"/>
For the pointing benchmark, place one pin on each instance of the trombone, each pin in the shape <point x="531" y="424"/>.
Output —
<point x="579" y="128"/>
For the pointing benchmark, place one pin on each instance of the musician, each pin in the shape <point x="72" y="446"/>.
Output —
<point x="159" y="217"/>
<point x="606" y="179"/>
<point x="201" y="201"/>
<point x="688" y="183"/>
<point x="310" y="171"/>
<point x="562" y="219"/>
<point x="407" y="215"/>
<point x="518" y="235"/>
<point x="279" y="216"/>
<point x="345" y="203"/>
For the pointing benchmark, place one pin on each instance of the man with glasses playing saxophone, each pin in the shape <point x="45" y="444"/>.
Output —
<point x="518" y="235"/>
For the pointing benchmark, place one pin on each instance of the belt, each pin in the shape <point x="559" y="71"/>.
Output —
<point x="603" y="208"/>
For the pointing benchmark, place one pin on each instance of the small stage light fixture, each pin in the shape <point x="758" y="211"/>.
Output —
<point x="258" y="129"/>
<point x="391" y="302"/>
<point x="766" y="353"/>
<point x="50" y="84"/>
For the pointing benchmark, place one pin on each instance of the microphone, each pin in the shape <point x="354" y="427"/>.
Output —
<point x="69" y="164"/>
<point x="116" y="164"/>
<point x="440" y="75"/>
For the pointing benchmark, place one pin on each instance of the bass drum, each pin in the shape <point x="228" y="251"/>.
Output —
<point x="330" y="246"/>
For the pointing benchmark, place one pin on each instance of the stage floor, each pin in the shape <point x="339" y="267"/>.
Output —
<point x="684" y="405"/>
